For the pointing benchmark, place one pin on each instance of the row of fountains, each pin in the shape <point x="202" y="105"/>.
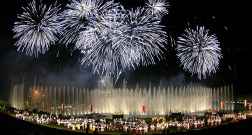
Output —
<point x="70" y="100"/>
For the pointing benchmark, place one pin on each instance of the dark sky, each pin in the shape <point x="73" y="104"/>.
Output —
<point x="229" y="19"/>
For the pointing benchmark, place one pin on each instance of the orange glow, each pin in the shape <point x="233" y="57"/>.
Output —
<point x="36" y="92"/>
<point x="222" y="104"/>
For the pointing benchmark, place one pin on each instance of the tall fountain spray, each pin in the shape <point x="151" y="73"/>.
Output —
<point x="69" y="99"/>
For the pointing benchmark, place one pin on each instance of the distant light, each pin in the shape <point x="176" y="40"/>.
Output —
<point x="226" y="28"/>
<point x="245" y="103"/>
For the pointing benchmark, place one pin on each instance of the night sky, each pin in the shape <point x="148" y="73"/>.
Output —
<point x="230" y="20"/>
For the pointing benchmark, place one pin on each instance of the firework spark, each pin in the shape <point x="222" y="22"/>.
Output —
<point x="158" y="7"/>
<point x="199" y="52"/>
<point x="36" y="28"/>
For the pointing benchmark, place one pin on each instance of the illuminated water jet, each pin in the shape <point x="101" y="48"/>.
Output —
<point x="71" y="100"/>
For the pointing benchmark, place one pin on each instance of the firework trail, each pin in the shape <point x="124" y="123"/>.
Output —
<point x="114" y="39"/>
<point x="199" y="52"/>
<point x="36" y="28"/>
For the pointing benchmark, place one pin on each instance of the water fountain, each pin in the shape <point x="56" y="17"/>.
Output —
<point x="71" y="100"/>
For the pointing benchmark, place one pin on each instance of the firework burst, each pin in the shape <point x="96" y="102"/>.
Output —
<point x="158" y="7"/>
<point x="36" y="28"/>
<point x="125" y="42"/>
<point x="80" y="17"/>
<point x="112" y="38"/>
<point x="199" y="52"/>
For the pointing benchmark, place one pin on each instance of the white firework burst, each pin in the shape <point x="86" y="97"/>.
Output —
<point x="112" y="38"/>
<point x="125" y="42"/>
<point x="36" y="28"/>
<point x="102" y="47"/>
<point x="158" y="7"/>
<point x="145" y="34"/>
<point x="81" y="15"/>
<point x="199" y="52"/>
<point x="83" y="8"/>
